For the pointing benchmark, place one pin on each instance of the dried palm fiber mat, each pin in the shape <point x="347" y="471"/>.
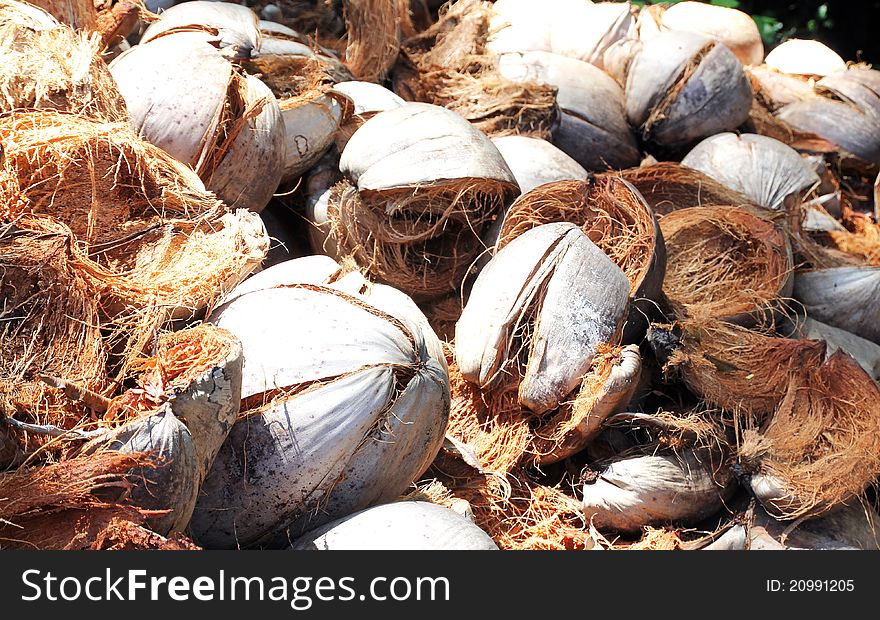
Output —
<point x="148" y="237"/>
<point x="725" y="262"/>
<point x="821" y="447"/>
<point x="44" y="64"/>
<point x="669" y="186"/>
<point x="234" y="136"/>
<point x="449" y="65"/>
<point x="352" y="423"/>
<point x="730" y="367"/>
<point x="421" y="185"/>
<point x="615" y="216"/>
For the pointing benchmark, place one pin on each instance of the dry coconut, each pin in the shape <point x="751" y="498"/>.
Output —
<point x="845" y="297"/>
<point x="865" y="352"/>
<point x="367" y="99"/>
<point x="449" y="65"/>
<point x="668" y="186"/>
<point x="821" y="448"/>
<point x="373" y="32"/>
<point x="47" y="65"/>
<point x="234" y="138"/>
<point x="726" y="263"/>
<point x="735" y="29"/>
<point x="683" y="86"/>
<point x="538" y="314"/>
<point x="535" y="162"/>
<point x="804" y="57"/>
<point x="731" y="367"/>
<point x="421" y="185"/>
<point x="78" y="14"/>
<point x="352" y="424"/>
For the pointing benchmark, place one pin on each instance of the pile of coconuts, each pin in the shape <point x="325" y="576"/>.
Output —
<point x="423" y="275"/>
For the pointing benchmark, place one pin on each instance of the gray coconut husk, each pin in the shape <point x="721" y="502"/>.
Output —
<point x="683" y="86"/>
<point x="844" y="297"/>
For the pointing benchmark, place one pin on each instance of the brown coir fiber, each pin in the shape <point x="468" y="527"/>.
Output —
<point x="669" y="186"/>
<point x="724" y="262"/>
<point x="823" y="442"/>
<point x="56" y="69"/>
<point x="448" y="65"/>
<point x="422" y="240"/>
<point x="49" y="323"/>
<point x="373" y="32"/>
<point x="609" y="210"/>
<point x="740" y="370"/>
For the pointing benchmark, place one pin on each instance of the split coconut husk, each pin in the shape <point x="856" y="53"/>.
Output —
<point x="368" y="100"/>
<point x="373" y="32"/>
<point x="684" y="86"/>
<point x="401" y="526"/>
<point x="735" y="29"/>
<point x="775" y="89"/>
<point x="234" y="137"/>
<point x="726" y="263"/>
<point x="804" y="57"/>
<point x="766" y="170"/>
<point x="614" y="215"/>
<point x="668" y="186"/>
<point x="538" y="314"/>
<point x="592" y="127"/>
<point x="421" y="186"/>
<point x="865" y="352"/>
<point x="730" y="367"/>
<point x="50" y="326"/>
<point x="353" y="423"/>
<point x="845" y="297"/>
<point x="448" y="65"/>
<point x="821" y="448"/>
<point x="47" y="65"/>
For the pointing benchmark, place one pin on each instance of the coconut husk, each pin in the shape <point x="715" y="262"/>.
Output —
<point x="861" y="238"/>
<point x="739" y="370"/>
<point x="124" y="535"/>
<point x="55" y="68"/>
<point x="669" y="186"/>
<point x="448" y="65"/>
<point x="821" y="447"/>
<point x="50" y="324"/>
<point x="373" y="30"/>
<point x="443" y="314"/>
<point x="725" y="262"/>
<point x="117" y="19"/>
<point x="78" y="14"/>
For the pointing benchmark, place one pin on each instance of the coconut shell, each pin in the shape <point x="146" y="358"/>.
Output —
<point x="840" y="123"/>
<point x="804" y="57"/>
<point x="763" y="169"/>
<point x="535" y="278"/>
<point x="683" y="86"/>
<point x="735" y="29"/>
<point x="234" y="27"/>
<point x="592" y="128"/>
<point x="844" y="297"/>
<point x="635" y="492"/>
<point x="406" y="525"/>
<point x="352" y="425"/>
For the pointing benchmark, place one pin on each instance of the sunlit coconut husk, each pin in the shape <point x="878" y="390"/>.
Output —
<point x="726" y="263"/>
<point x="733" y="28"/>
<point x="668" y="186"/>
<point x="821" y="448"/>
<point x="579" y="30"/>
<point x="737" y="369"/>
<point x="234" y="136"/>
<point x="614" y="215"/>
<point x="234" y="27"/>
<point x="618" y="57"/>
<point x="449" y="65"/>
<point x="683" y="86"/>
<point x="592" y="127"/>
<point x="78" y="14"/>
<point x="118" y="19"/>
<point x="413" y="206"/>
<point x="151" y="241"/>
<point x="51" y="324"/>
<point x="845" y="297"/>
<point x="66" y="504"/>
<point x="535" y="162"/>
<point x="54" y="67"/>
<point x="760" y="167"/>
<point x="804" y="57"/>
<point x="367" y="99"/>
<point x="634" y="492"/>
<point x="859" y="236"/>
<point x="373" y="31"/>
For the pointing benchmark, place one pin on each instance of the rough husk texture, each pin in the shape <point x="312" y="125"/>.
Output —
<point x="739" y="370"/>
<point x="56" y="69"/>
<point x="823" y="443"/>
<point x="373" y="38"/>
<point x="448" y="65"/>
<point x="724" y="262"/>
